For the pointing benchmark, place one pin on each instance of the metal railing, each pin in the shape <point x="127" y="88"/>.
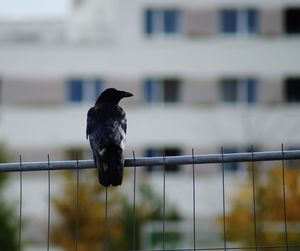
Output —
<point x="155" y="161"/>
<point x="191" y="160"/>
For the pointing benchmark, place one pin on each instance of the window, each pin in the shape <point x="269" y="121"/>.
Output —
<point x="229" y="21"/>
<point x="292" y="20"/>
<point x="162" y="90"/>
<point x="84" y="90"/>
<point x="234" y="21"/>
<point x="229" y="90"/>
<point x="159" y="152"/>
<point x="157" y="22"/>
<point x="292" y="90"/>
<point x="234" y="90"/>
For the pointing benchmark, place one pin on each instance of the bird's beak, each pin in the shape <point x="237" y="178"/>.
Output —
<point x="126" y="94"/>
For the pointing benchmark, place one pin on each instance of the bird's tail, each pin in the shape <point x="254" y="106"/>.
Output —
<point x="103" y="175"/>
<point x="110" y="165"/>
<point x="115" y="163"/>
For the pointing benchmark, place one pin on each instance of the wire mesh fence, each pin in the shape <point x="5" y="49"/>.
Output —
<point x="258" y="222"/>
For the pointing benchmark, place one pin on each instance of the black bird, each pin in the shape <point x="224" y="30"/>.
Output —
<point x="106" y="129"/>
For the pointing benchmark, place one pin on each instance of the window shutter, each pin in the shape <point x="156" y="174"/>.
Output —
<point x="200" y="22"/>
<point x="271" y="91"/>
<point x="271" y="22"/>
<point x="199" y="91"/>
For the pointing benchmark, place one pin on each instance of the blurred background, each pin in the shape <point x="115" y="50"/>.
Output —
<point x="204" y="74"/>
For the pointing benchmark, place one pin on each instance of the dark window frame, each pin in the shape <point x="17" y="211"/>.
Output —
<point x="162" y="90"/>
<point x="239" y="90"/>
<point x="292" y="89"/>
<point x="292" y="20"/>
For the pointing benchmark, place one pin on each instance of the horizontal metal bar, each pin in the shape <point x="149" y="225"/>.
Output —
<point x="155" y="161"/>
<point x="260" y="247"/>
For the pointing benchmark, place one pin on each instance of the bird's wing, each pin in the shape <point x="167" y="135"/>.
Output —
<point x="106" y="126"/>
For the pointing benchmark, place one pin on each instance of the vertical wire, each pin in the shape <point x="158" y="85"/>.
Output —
<point x="164" y="201"/>
<point x="134" y="201"/>
<point x="223" y="198"/>
<point x="254" y="198"/>
<point x="49" y="191"/>
<point x="77" y="203"/>
<point x="284" y="198"/>
<point x="105" y="221"/>
<point x="21" y="203"/>
<point x="194" y="202"/>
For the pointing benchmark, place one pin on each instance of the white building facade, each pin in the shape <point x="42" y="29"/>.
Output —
<point x="220" y="66"/>
<point x="204" y="74"/>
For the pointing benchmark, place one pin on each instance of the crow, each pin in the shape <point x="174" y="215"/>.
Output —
<point x="106" y="129"/>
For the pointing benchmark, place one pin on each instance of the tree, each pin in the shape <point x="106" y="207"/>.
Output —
<point x="91" y="233"/>
<point x="8" y="226"/>
<point x="269" y="214"/>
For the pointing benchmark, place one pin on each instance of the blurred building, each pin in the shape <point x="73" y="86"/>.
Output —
<point x="205" y="74"/>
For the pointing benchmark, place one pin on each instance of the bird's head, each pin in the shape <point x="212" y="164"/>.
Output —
<point x="112" y="95"/>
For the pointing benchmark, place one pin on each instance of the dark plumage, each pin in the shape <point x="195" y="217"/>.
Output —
<point x="106" y="129"/>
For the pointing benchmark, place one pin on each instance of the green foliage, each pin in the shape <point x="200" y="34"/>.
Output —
<point x="8" y="226"/>
<point x="8" y="229"/>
